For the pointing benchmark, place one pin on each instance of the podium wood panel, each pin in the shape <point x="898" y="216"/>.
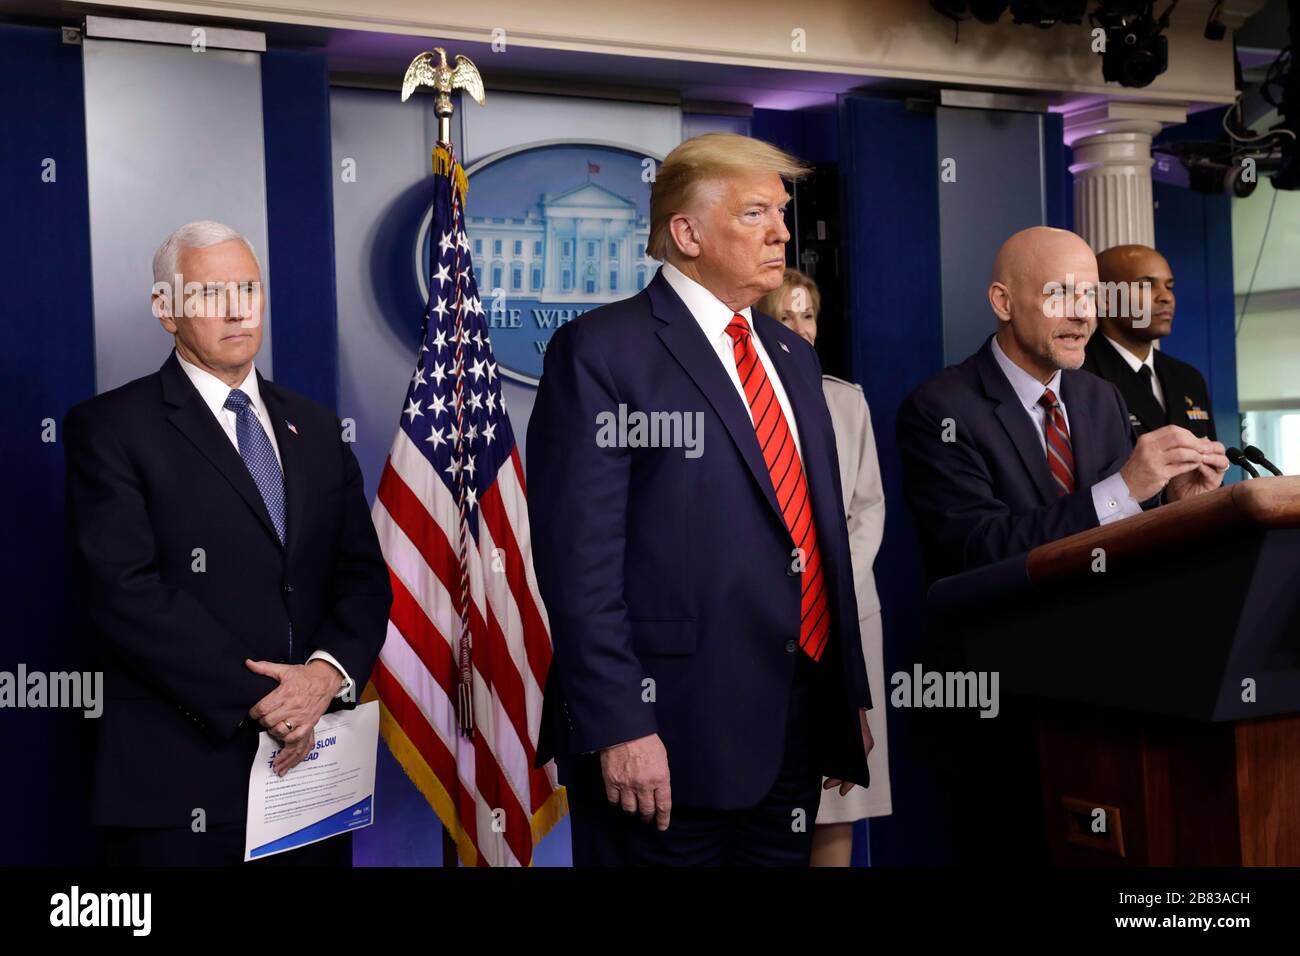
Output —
<point x="1260" y="503"/>
<point x="1175" y="793"/>
<point x="1164" y="691"/>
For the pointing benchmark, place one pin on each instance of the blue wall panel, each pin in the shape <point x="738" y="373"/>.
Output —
<point x="300" y="221"/>
<point x="889" y="165"/>
<point x="48" y="363"/>
<point x="1194" y="233"/>
<point x="812" y="135"/>
<point x="1058" y="183"/>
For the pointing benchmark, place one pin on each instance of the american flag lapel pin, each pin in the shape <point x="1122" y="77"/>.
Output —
<point x="290" y="425"/>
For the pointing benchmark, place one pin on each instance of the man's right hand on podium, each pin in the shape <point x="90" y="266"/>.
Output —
<point x="636" y="777"/>
<point x="1214" y="464"/>
<point x="1163" y="455"/>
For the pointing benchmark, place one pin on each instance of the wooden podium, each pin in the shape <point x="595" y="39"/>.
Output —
<point x="1155" y="665"/>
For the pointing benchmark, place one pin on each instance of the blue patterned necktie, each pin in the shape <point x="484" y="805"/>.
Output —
<point x="259" y="457"/>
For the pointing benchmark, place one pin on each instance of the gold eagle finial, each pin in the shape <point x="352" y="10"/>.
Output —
<point x="441" y="76"/>
<point x="423" y="71"/>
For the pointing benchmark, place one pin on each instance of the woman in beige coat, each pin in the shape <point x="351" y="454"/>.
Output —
<point x="796" y="303"/>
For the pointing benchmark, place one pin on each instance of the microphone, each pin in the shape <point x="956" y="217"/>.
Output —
<point x="1237" y="458"/>
<point x="1257" y="456"/>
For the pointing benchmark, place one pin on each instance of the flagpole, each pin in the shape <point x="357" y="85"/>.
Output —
<point x="465" y="685"/>
<point x="424" y="70"/>
<point x="430" y="520"/>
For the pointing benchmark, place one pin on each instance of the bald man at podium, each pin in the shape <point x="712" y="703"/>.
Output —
<point x="1016" y="446"/>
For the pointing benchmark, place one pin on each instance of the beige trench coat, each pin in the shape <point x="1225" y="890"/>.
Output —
<point x="864" y="507"/>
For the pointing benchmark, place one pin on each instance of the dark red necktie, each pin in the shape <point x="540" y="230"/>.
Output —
<point x="1060" y="459"/>
<point x="786" y="471"/>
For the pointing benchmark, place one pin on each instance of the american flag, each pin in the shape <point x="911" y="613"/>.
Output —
<point x="461" y="674"/>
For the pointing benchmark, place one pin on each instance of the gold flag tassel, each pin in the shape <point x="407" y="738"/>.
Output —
<point x="445" y="164"/>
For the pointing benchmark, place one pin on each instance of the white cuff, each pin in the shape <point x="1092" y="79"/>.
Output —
<point x="1113" y="501"/>
<point x="346" y="689"/>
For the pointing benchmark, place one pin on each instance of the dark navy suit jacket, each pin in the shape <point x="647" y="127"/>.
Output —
<point x="654" y="566"/>
<point x="988" y="494"/>
<point x="1186" y="397"/>
<point x="151" y="478"/>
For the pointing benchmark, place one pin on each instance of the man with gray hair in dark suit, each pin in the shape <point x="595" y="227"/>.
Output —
<point x="227" y="560"/>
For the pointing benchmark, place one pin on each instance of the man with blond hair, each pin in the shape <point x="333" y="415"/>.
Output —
<point x="707" y="670"/>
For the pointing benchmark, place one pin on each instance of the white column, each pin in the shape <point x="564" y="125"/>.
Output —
<point x="1112" y="170"/>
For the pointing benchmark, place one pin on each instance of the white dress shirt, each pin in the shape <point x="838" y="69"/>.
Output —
<point x="1136" y="363"/>
<point x="1110" y="496"/>
<point x="214" y="393"/>
<point x="713" y="316"/>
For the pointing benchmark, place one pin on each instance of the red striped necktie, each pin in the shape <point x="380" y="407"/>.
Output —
<point x="786" y="472"/>
<point x="1060" y="457"/>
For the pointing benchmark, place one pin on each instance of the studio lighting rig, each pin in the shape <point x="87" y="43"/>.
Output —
<point x="1133" y="46"/>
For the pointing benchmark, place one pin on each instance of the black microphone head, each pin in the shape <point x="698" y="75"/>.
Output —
<point x="1258" y="457"/>
<point x="1236" y="456"/>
